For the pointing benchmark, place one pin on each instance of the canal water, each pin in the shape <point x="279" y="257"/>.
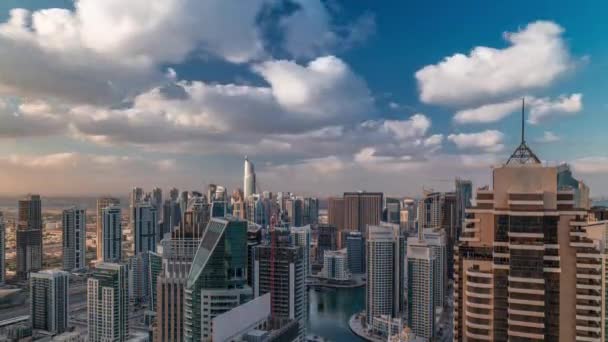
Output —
<point x="330" y="310"/>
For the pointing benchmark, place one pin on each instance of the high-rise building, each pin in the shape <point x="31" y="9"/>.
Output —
<point x="108" y="303"/>
<point x="294" y="208"/>
<point x="385" y="288"/>
<point x="145" y="227"/>
<point x="565" y="181"/>
<point x="217" y="281"/>
<point x="327" y="240"/>
<point x="29" y="236"/>
<point x="174" y="194"/>
<point x="2" y="249"/>
<point x="335" y="216"/>
<point x="283" y="274"/>
<point x="254" y="238"/>
<point x="310" y="211"/>
<point x="171" y="217"/>
<point x="249" y="184"/>
<point x="362" y="209"/>
<point x="177" y="250"/>
<point x="49" y="292"/>
<point x="74" y="222"/>
<point x="335" y="266"/>
<point x="102" y="203"/>
<point x="436" y="240"/>
<point x="464" y="195"/>
<point x="393" y="210"/>
<point x="301" y="236"/>
<point x="529" y="264"/>
<point x="238" y="204"/>
<point x="157" y="201"/>
<point x="144" y="269"/>
<point x="421" y="287"/>
<point x="112" y="233"/>
<point x="355" y="249"/>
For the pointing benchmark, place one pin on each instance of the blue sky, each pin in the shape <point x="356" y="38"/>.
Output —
<point x="324" y="96"/>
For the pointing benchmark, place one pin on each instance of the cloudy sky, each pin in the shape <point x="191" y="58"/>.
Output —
<point x="324" y="96"/>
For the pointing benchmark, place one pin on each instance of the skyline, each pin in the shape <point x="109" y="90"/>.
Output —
<point x="373" y="98"/>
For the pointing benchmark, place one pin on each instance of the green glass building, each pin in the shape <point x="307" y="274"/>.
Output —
<point x="217" y="281"/>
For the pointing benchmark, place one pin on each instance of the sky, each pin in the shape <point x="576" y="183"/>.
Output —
<point x="323" y="96"/>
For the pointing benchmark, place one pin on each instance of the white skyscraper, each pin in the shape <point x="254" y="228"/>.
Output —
<point x="145" y="227"/>
<point x="49" y="301"/>
<point x="301" y="237"/>
<point x="385" y="289"/>
<point x="249" y="179"/>
<point x="2" y="249"/>
<point x="74" y="239"/>
<point x="420" y="293"/>
<point x="108" y="303"/>
<point x="112" y="233"/>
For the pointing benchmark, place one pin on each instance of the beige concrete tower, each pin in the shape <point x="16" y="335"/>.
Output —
<point x="528" y="266"/>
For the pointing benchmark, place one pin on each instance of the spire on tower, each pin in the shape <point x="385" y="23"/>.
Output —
<point x="523" y="154"/>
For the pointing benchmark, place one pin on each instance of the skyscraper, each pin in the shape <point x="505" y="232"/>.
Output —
<point x="385" y="288"/>
<point x="144" y="269"/>
<point x="102" y="203"/>
<point x="355" y="249"/>
<point x="49" y="301"/>
<point x="74" y="223"/>
<point x="29" y="236"/>
<point x="249" y="184"/>
<point x="2" y="249"/>
<point x="362" y="209"/>
<point x="335" y="216"/>
<point x="217" y="281"/>
<point x="393" y="210"/>
<point x="310" y="211"/>
<point x="108" y="303"/>
<point x="435" y="239"/>
<point x="112" y="233"/>
<point x="157" y="201"/>
<point x="284" y="276"/>
<point x="421" y="287"/>
<point x="177" y="250"/>
<point x="145" y="227"/>
<point x="335" y="265"/>
<point x="464" y="195"/>
<point x="529" y="264"/>
<point x="301" y="236"/>
<point x="294" y="207"/>
<point x="327" y="240"/>
<point x="565" y="181"/>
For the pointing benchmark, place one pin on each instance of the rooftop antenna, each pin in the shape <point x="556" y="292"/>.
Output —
<point x="523" y="154"/>
<point x="523" y="118"/>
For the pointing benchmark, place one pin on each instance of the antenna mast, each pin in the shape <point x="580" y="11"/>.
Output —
<point x="523" y="118"/>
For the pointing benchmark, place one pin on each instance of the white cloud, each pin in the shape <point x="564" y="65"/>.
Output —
<point x="549" y="137"/>
<point x="487" y="113"/>
<point x="106" y="51"/>
<point x="564" y="105"/>
<point x="415" y="126"/>
<point x="591" y="165"/>
<point x="537" y="55"/>
<point x="489" y="140"/>
<point x="433" y="140"/>
<point x="27" y="119"/>
<point x="326" y="88"/>
<point x="539" y="109"/>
